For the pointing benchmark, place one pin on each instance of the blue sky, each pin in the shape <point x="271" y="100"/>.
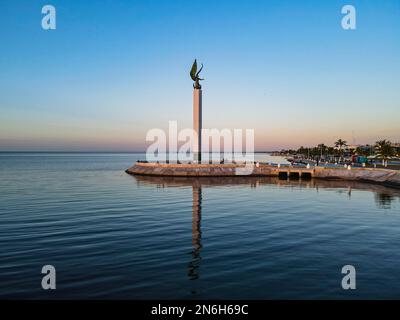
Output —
<point x="112" y="70"/>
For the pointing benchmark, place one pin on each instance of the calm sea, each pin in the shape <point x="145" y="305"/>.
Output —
<point x="112" y="235"/>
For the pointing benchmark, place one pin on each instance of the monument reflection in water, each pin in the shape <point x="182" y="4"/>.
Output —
<point x="384" y="196"/>
<point x="194" y="264"/>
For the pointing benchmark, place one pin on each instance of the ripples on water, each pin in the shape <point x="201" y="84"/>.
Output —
<point x="112" y="235"/>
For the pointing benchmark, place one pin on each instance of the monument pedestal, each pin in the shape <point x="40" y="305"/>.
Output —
<point x="197" y="124"/>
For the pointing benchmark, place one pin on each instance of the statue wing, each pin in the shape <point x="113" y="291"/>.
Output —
<point x="193" y="70"/>
<point x="197" y="74"/>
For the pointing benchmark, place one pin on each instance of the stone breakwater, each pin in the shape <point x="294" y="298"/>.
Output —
<point x="384" y="176"/>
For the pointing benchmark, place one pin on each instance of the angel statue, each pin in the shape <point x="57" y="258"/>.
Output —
<point x="194" y="74"/>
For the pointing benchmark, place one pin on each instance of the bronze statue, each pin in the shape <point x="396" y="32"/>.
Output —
<point x="194" y="74"/>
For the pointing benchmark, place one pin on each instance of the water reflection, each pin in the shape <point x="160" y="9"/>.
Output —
<point x="384" y="196"/>
<point x="193" y="269"/>
<point x="384" y="200"/>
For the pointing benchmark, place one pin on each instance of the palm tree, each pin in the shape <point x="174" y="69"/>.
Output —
<point x="340" y="144"/>
<point x="384" y="150"/>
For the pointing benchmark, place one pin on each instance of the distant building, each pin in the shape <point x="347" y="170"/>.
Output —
<point x="367" y="148"/>
<point x="396" y="147"/>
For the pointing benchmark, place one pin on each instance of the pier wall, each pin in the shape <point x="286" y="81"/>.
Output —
<point x="384" y="176"/>
<point x="360" y="174"/>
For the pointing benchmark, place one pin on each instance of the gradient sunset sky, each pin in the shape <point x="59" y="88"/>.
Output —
<point x="113" y="69"/>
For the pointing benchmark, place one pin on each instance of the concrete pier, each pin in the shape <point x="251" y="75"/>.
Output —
<point x="383" y="176"/>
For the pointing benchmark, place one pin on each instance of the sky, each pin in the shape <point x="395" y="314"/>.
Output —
<point x="112" y="70"/>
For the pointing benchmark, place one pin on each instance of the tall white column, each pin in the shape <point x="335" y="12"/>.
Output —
<point x="197" y="123"/>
